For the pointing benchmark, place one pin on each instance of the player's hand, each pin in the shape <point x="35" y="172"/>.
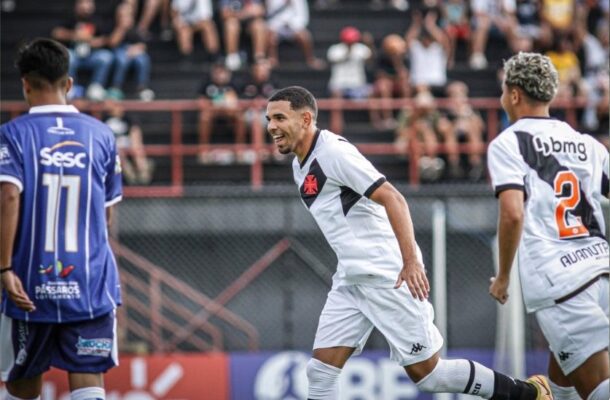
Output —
<point x="414" y="275"/>
<point x="12" y="284"/>
<point x="499" y="289"/>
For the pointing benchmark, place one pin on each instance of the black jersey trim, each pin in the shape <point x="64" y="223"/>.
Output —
<point x="374" y="187"/>
<point x="547" y="167"/>
<point x="580" y="289"/>
<point x="313" y="146"/>
<point x="349" y="198"/>
<point x="605" y="185"/>
<point x="500" y="188"/>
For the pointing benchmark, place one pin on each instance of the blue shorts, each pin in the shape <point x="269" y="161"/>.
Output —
<point x="30" y="349"/>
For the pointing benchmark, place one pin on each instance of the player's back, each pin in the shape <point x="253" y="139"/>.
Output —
<point x="67" y="167"/>
<point x="564" y="174"/>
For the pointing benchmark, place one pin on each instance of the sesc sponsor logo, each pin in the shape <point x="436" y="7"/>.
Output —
<point x="283" y="377"/>
<point x="52" y="156"/>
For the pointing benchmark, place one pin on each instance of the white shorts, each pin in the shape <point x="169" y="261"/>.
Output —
<point x="351" y="312"/>
<point x="577" y="328"/>
<point x="201" y="10"/>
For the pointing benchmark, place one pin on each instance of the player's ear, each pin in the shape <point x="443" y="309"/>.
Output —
<point x="26" y="85"/>
<point x="515" y="96"/>
<point x="307" y="118"/>
<point x="69" y="84"/>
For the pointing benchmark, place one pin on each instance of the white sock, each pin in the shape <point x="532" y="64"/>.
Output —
<point x="459" y="376"/>
<point x="563" y="392"/>
<point x="601" y="392"/>
<point x="88" y="393"/>
<point x="11" y="397"/>
<point x="323" y="380"/>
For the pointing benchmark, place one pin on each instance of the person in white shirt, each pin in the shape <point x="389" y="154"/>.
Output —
<point x="367" y="223"/>
<point x="549" y="180"/>
<point x="348" y="71"/>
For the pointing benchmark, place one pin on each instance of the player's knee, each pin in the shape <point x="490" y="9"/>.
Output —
<point x="323" y="380"/>
<point x="601" y="392"/>
<point x="88" y="393"/>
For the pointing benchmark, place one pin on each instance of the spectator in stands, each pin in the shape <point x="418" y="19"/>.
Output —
<point x="250" y="14"/>
<point x="428" y="49"/>
<point x="195" y="16"/>
<point x="424" y="127"/>
<point x="455" y="22"/>
<point x="149" y="11"/>
<point x="488" y="14"/>
<point x="348" y="79"/>
<point x="130" y="51"/>
<point x="84" y="35"/>
<point x="137" y="168"/>
<point x="559" y="15"/>
<point x="564" y="58"/>
<point x="468" y="126"/>
<point x="400" y="5"/>
<point x="596" y="55"/>
<point x="288" y="20"/>
<point x="219" y="94"/>
<point x="391" y="79"/>
<point x="531" y="28"/>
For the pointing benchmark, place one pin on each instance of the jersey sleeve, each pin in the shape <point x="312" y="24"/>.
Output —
<point x="506" y="166"/>
<point x="114" y="182"/>
<point x="11" y="161"/>
<point x="350" y="168"/>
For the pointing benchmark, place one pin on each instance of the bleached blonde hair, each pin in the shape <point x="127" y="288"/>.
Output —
<point x="534" y="73"/>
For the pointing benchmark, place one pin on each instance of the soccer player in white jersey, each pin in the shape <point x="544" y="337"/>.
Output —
<point x="367" y="223"/>
<point x="59" y="177"/>
<point x="549" y="180"/>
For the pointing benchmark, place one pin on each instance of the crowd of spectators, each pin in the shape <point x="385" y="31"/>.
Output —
<point x="415" y="64"/>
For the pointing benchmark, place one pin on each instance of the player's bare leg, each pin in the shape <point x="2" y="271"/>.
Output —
<point x="591" y="374"/>
<point x="86" y="386"/>
<point x="561" y="386"/>
<point x="25" y="388"/>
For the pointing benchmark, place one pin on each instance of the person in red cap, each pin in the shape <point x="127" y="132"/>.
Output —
<point x="348" y="74"/>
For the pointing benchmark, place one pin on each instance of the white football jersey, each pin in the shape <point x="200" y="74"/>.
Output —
<point x="335" y="181"/>
<point x="563" y="175"/>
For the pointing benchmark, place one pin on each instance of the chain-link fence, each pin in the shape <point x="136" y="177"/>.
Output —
<point x="238" y="270"/>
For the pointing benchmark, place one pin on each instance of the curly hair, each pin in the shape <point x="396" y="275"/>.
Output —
<point x="534" y="73"/>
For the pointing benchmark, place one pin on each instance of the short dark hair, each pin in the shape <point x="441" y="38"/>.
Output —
<point x="43" y="62"/>
<point x="298" y="97"/>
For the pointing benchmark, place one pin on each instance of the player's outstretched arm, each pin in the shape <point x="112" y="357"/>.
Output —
<point x="9" y="215"/>
<point x="413" y="272"/>
<point x="510" y="224"/>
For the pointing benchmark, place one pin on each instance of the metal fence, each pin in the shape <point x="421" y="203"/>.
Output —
<point x="234" y="269"/>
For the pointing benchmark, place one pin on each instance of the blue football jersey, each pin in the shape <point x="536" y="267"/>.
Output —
<point x="67" y="168"/>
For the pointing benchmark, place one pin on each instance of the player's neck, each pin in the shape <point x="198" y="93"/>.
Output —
<point x="541" y="111"/>
<point x="46" y="99"/>
<point x="303" y="148"/>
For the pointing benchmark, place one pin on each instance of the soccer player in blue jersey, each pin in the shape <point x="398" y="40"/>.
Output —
<point x="59" y="177"/>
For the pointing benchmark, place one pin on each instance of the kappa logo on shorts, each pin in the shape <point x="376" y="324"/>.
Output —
<point x="417" y="348"/>
<point x="563" y="356"/>
<point x="94" y="347"/>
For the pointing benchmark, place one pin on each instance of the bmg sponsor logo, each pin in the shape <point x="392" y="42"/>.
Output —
<point x="94" y="347"/>
<point x="52" y="156"/>
<point x="546" y="146"/>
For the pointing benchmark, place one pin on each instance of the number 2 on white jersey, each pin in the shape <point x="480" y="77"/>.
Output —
<point x="567" y="203"/>
<point x="55" y="183"/>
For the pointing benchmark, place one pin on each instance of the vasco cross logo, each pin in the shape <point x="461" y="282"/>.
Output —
<point x="417" y="348"/>
<point x="310" y="186"/>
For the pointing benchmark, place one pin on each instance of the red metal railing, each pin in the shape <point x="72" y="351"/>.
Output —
<point x="176" y="150"/>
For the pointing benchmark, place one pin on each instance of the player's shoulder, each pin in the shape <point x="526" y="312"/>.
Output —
<point x="333" y="144"/>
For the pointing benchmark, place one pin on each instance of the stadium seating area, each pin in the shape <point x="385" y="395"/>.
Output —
<point x="173" y="77"/>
